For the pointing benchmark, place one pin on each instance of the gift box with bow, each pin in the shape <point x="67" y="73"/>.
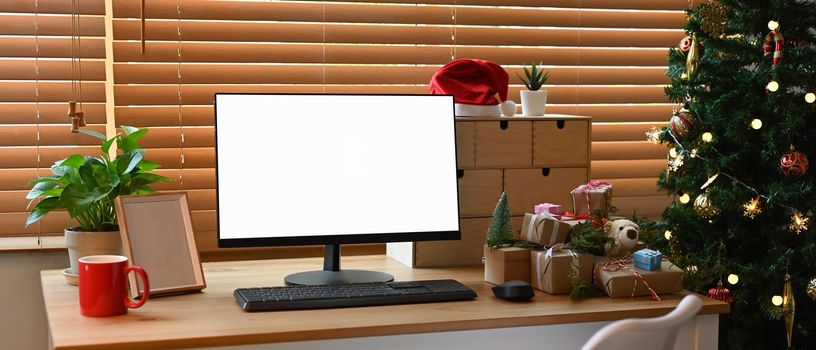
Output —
<point x="647" y="259"/>
<point x="551" y="269"/>
<point x="595" y="195"/>
<point x="545" y="229"/>
<point x="619" y="278"/>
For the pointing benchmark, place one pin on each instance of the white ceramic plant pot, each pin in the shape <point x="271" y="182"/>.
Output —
<point x="533" y="102"/>
<point x="82" y="244"/>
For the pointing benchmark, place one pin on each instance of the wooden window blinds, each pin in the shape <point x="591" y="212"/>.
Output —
<point x="607" y="59"/>
<point x="35" y="85"/>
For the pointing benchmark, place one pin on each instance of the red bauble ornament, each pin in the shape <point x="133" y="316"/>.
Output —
<point x="721" y="293"/>
<point x="682" y="122"/>
<point x="793" y="163"/>
<point x="685" y="44"/>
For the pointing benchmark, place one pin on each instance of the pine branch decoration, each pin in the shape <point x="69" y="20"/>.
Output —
<point x="500" y="232"/>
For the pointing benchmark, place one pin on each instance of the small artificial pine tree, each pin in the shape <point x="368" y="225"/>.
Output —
<point x="743" y="196"/>
<point x="500" y="232"/>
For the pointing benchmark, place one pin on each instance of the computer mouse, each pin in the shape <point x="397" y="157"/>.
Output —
<point x="514" y="290"/>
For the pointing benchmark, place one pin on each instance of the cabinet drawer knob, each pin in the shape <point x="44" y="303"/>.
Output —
<point x="460" y="173"/>
<point x="503" y="125"/>
<point x="545" y="171"/>
<point x="560" y="124"/>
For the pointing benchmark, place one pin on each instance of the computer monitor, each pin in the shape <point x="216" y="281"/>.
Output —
<point x="305" y="169"/>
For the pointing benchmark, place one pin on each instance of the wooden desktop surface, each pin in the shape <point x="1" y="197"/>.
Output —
<point x="212" y="318"/>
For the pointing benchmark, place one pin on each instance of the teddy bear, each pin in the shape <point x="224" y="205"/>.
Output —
<point x="625" y="233"/>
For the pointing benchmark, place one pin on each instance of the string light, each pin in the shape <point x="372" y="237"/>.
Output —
<point x="668" y="235"/>
<point x="799" y="222"/>
<point x="653" y="135"/>
<point x="707" y="136"/>
<point x="692" y="268"/>
<point x="810" y="97"/>
<point x="777" y="300"/>
<point x="733" y="279"/>
<point x="752" y="208"/>
<point x="684" y="198"/>
<point x="756" y="124"/>
<point x="773" y="25"/>
<point x="673" y="152"/>
<point x="773" y="86"/>
<point x="693" y="153"/>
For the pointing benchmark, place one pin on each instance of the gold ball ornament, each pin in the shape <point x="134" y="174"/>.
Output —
<point x="793" y="163"/>
<point x="704" y="208"/>
<point x="714" y="18"/>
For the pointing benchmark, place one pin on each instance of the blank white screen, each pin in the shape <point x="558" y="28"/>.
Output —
<point x="320" y="165"/>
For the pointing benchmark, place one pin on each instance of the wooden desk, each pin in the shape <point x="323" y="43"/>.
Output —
<point x="212" y="318"/>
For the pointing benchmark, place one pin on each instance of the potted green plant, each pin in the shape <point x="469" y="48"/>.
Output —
<point x="85" y="186"/>
<point x="534" y="100"/>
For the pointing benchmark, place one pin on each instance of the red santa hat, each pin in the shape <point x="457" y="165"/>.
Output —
<point x="474" y="85"/>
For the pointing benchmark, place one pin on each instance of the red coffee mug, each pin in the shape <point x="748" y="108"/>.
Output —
<point x="103" y="285"/>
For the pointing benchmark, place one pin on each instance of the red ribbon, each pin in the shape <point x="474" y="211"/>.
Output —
<point x="625" y="263"/>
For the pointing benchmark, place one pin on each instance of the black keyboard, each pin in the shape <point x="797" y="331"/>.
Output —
<point x="346" y="295"/>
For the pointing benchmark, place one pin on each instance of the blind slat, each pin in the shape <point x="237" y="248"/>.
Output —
<point x="383" y="54"/>
<point x="50" y="113"/>
<point x="26" y="69"/>
<point x="391" y="34"/>
<point x="372" y="74"/>
<point x="54" y="25"/>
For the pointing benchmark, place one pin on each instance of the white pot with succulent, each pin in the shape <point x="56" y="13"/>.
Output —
<point x="534" y="100"/>
<point x="85" y="186"/>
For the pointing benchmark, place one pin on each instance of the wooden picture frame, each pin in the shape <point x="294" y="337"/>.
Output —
<point x="157" y="234"/>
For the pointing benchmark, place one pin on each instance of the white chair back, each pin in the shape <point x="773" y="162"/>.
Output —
<point x="659" y="333"/>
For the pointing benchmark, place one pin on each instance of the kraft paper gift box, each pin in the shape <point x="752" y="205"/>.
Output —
<point x="621" y="280"/>
<point x="544" y="229"/>
<point x="647" y="259"/>
<point x="592" y="196"/>
<point x="551" y="269"/>
<point x="506" y="264"/>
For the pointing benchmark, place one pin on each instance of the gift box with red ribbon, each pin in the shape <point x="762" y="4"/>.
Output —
<point x="619" y="278"/>
<point x="595" y="195"/>
<point x="551" y="269"/>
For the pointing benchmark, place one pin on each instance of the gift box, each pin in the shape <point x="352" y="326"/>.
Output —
<point x="551" y="269"/>
<point x="647" y="259"/>
<point x="555" y="209"/>
<point x="544" y="229"/>
<point x="506" y="264"/>
<point x="596" y="195"/>
<point x="619" y="278"/>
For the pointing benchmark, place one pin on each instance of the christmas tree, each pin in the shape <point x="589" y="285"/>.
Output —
<point x="500" y="232"/>
<point x="744" y="81"/>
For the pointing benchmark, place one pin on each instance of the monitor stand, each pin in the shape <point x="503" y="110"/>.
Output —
<point x="332" y="274"/>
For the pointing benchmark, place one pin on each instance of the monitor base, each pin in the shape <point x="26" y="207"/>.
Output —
<point x="337" y="277"/>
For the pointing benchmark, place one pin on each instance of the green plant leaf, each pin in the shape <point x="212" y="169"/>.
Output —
<point x="43" y="207"/>
<point x="148" y="178"/>
<point x="74" y="161"/>
<point x="93" y="133"/>
<point x="129" y="129"/>
<point x="127" y="161"/>
<point x="146" y="165"/>
<point x="107" y="145"/>
<point x="39" y="189"/>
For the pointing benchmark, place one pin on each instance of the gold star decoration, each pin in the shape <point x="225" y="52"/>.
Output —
<point x="752" y="208"/>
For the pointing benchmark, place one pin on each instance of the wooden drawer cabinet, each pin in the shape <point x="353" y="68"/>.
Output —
<point x="478" y="191"/>
<point x="503" y="143"/>
<point x="465" y="144"/>
<point x="527" y="187"/>
<point x="561" y="143"/>
<point x="533" y="159"/>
